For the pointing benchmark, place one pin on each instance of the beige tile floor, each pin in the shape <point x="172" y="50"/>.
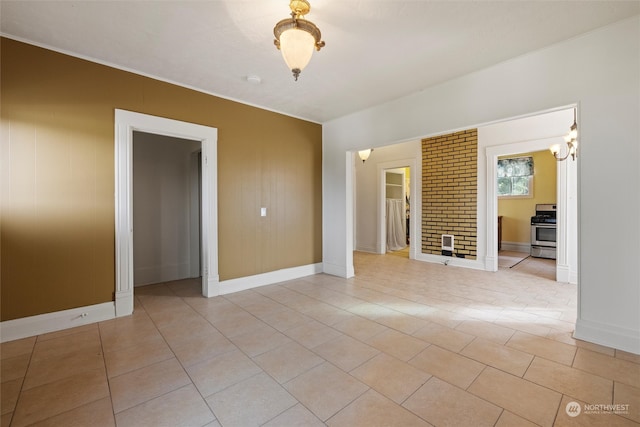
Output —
<point x="403" y="343"/>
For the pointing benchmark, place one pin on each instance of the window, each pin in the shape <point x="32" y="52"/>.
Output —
<point x="515" y="177"/>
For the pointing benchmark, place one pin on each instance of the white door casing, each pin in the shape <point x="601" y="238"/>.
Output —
<point x="126" y="122"/>
<point x="566" y="171"/>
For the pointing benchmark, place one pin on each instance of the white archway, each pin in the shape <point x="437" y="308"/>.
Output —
<point x="567" y="262"/>
<point x="567" y="177"/>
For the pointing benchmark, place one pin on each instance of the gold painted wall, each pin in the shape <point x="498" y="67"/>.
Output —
<point x="517" y="213"/>
<point x="450" y="192"/>
<point x="57" y="229"/>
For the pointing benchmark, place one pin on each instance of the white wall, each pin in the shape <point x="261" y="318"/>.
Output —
<point x="367" y="190"/>
<point x="601" y="72"/>
<point x="161" y="208"/>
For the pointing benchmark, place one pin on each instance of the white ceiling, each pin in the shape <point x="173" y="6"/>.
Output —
<point x="376" y="50"/>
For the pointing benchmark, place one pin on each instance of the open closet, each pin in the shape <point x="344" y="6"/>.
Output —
<point x="397" y="208"/>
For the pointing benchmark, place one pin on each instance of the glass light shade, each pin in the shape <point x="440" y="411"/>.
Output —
<point x="555" y="149"/>
<point x="573" y="133"/>
<point x="364" y="154"/>
<point x="296" y="47"/>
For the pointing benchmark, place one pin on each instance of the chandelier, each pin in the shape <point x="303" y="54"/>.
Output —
<point x="296" y="37"/>
<point x="571" y="138"/>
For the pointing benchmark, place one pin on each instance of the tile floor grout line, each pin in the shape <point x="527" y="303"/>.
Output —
<point x="499" y="416"/>
<point x="529" y="365"/>
<point x="562" y="396"/>
<point x="32" y="388"/>
<point x="262" y="371"/>
<point x="184" y="369"/>
<point x="24" y="378"/>
<point x="388" y="291"/>
<point x="106" y="374"/>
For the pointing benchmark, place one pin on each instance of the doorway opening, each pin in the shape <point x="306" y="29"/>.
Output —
<point x="526" y="183"/>
<point x="126" y="123"/>
<point x="566" y="185"/>
<point x="166" y="208"/>
<point x="387" y="183"/>
<point x="499" y="142"/>
<point x="395" y="230"/>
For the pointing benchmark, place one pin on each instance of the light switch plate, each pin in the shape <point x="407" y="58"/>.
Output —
<point x="263" y="211"/>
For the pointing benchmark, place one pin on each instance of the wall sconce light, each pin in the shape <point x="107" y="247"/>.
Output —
<point x="364" y="154"/>
<point x="571" y="139"/>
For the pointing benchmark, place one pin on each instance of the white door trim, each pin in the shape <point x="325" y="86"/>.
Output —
<point x="126" y="122"/>
<point x="563" y="169"/>
<point x="195" y="211"/>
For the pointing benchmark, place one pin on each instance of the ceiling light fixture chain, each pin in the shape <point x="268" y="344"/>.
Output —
<point x="297" y="37"/>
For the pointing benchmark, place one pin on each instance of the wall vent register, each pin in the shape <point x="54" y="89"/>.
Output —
<point x="447" y="242"/>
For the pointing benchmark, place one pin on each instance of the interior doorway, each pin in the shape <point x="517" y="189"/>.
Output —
<point x="526" y="183"/>
<point x="395" y="230"/>
<point x="397" y="192"/>
<point x="126" y="123"/>
<point x="166" y="208"/>
<point x="498" y="142"/>
<point x="510" y="139"/>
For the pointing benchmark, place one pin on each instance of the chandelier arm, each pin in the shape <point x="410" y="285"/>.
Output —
<point x="572" y="151"/>
<point x="561" y="158"/>
<point x="571" y="141"/>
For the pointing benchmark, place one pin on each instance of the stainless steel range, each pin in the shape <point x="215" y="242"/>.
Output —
<point x="543" y="232"/>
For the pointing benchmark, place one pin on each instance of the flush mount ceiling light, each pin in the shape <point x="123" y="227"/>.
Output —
<point x="571" y="139"/>
<point x="296" y="37"/>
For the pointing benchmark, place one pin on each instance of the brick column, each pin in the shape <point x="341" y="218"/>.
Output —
<point x="449" y="192"/>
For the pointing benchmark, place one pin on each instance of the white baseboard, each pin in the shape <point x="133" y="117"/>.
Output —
<point x="367" y="249"/>
<point x="516" y="247"/>
<point x="451" y="261"/>
<point x="249" y="282"/>
<point x="212" y="287"/>
<point x="608" y="335"/>
<point x="490" y="263"/>
<point x="338" y="270"/>
<point x="563" y="273"/>
<point x="50" y="322"/>
<point x="124" y="303"/>
<point x="573" y="277"/>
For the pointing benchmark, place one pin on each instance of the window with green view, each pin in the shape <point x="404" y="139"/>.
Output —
<point x="515" y="177"/>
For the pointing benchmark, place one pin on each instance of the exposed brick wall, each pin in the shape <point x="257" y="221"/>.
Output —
<point x="449" y="192"/>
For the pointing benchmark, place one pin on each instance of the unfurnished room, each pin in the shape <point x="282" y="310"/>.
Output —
<point x="318" y="213"/>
